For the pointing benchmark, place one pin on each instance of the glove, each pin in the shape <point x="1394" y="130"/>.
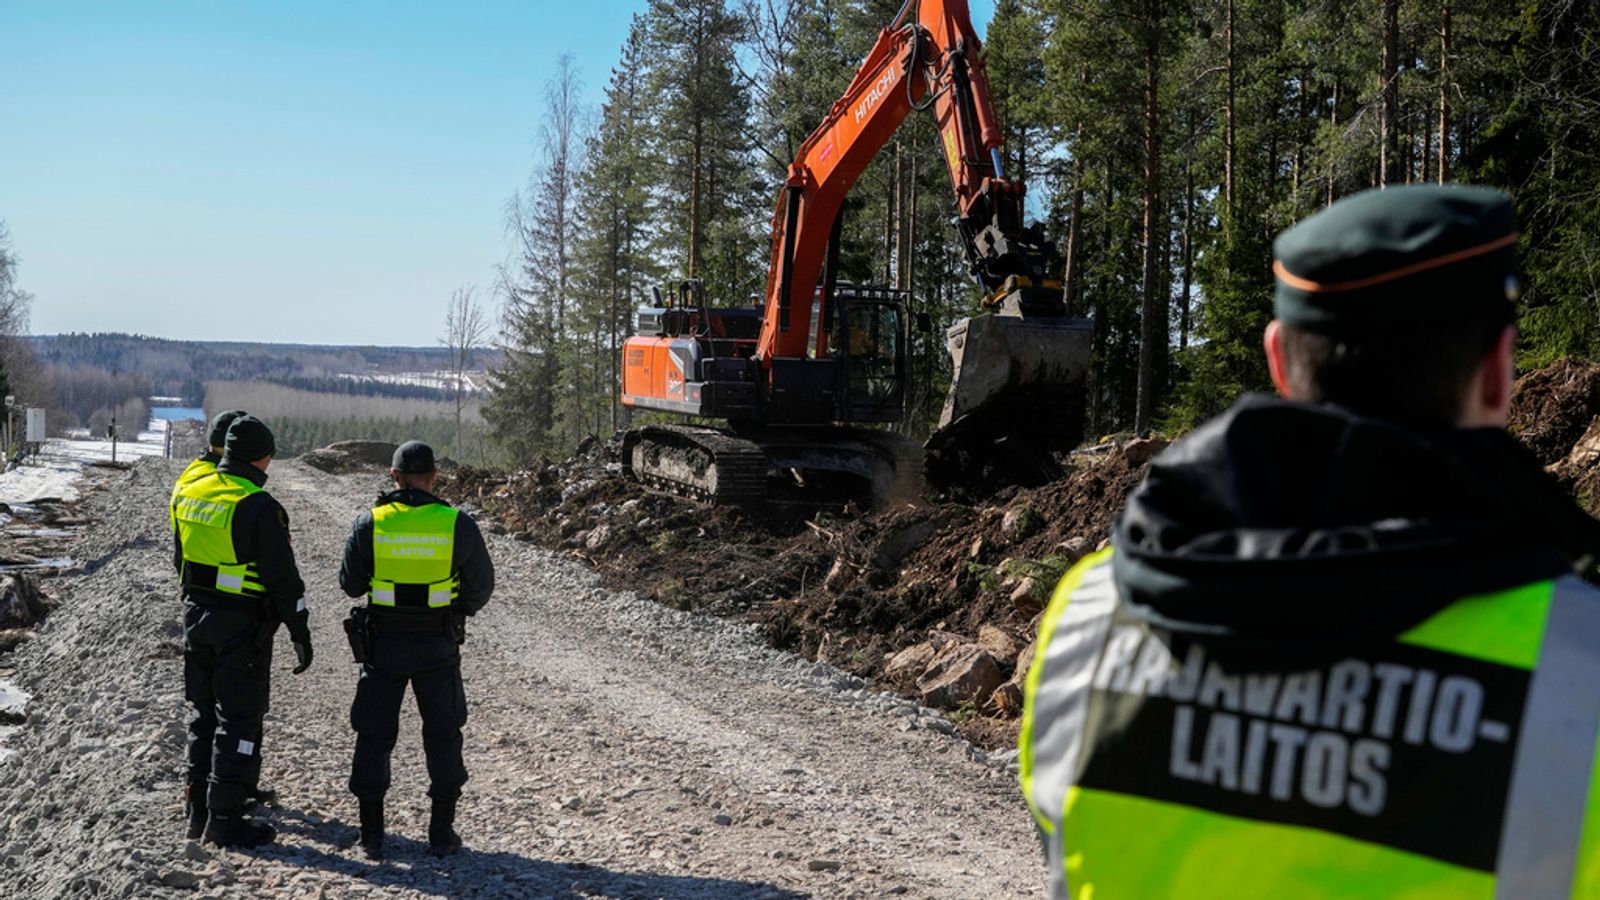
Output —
<point x="302" y="655"/>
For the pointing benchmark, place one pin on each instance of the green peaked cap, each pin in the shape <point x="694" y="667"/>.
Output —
<point x="1398" y="256"/>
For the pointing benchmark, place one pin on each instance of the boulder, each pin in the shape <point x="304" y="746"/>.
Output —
<point x="996" y="642"/>
<point x="1006" y="700"/>
<point x="910" y="662"/>
<point x="1140" y="450"/>
<point x="599" y="537"/>
<point x="1026" y="596"/>
<point x="1019" y="522"/>
<point x="1074" y="549"/>
<point x="960" y="673"/>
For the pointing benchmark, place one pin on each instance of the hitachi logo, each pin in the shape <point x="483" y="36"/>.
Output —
<point x="875" y="94"/>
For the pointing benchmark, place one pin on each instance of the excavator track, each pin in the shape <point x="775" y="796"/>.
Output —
<point x="704" y="463"/>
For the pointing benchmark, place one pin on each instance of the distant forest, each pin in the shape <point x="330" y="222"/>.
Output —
<point x="181" y="368"/>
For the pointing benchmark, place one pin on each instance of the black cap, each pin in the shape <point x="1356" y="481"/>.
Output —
<point x="249" y="439"/>
<point x="1398" y="256"/>
<point x="217" y="435"/>
<point x="413" y="458"/>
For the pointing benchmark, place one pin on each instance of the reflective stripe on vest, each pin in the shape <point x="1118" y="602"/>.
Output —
<point x="1455" y="761"/>
<point x="195" y="471"/>
<point x="203" y="511"/>
<point x="413" y="555"/>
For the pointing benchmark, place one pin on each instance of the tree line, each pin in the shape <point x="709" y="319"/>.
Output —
<point x="1164" y="144"/>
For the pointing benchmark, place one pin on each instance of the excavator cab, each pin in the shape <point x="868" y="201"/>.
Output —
<point x="870" y="346"/>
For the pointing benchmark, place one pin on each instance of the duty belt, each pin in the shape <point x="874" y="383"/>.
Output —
<point x="239" y="580"/>
<point x="381" y="620"/>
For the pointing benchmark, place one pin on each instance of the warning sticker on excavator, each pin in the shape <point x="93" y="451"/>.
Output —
<point x="950" y="151"/>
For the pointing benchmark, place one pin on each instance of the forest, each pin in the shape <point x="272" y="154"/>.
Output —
<point x="1164" y="144"/>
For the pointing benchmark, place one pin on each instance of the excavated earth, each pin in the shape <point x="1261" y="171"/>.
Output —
<point x="618" y="748"/>
<point x="936" y="601"/>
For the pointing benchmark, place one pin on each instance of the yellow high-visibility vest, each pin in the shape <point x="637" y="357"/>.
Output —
<point x="196" y="470"/>
<point x="203" y="511"/>
<point x="413" y="556"/>
<point x="1454" y="760"/>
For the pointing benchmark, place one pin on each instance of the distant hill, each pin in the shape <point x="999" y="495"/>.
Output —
<point x="181" y="368"/>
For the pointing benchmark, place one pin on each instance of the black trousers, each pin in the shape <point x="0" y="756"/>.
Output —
<point x="227" y="661"/>
<point x="431" y="663"/>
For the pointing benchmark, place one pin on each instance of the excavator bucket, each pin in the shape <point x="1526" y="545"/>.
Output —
<point x="1016" y="394"/>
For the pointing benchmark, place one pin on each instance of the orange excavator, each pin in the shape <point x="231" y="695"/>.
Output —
<point x="797" y="376"/>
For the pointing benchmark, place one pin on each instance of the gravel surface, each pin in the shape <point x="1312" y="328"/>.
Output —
<point x="617" y="748"/>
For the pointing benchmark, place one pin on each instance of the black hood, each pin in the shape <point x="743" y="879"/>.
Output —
<point x="1283" y="525"/>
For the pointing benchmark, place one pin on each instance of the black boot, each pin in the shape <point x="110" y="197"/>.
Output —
<point x="258" y="796"/>
<point x="442" y="837"/>
<point x="194" y="806"/>
<point x="234" y="830"/>
<point x="372" y="828"/>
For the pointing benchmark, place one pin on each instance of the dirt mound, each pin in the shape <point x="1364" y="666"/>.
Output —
<point x="848" y="588"/>
<point x="350" y="456"/>
<point x="1552" y="407"/>
<point x="1555" y="411"/>
<point x="938" y="600"/>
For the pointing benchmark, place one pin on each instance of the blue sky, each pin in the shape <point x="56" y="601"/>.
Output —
<point x="309" y="172"/>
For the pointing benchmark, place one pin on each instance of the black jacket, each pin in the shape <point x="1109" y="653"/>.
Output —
<point x="260" y="534"/>
<point x="1286" y="526"/>
<point x="472" y="563"/>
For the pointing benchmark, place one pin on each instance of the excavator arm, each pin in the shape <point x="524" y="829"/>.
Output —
<point x="930" y="60"/>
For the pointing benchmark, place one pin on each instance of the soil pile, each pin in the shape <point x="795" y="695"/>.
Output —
<point x="350" y="456"/>
<point x="851" y="588"/>
<point x="1555" y="412"/>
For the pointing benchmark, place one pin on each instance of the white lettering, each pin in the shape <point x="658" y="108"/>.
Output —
<point x="1391" y="678"/>
<point x="1299" y="697"/>
<point x="1219" y="686"/>
<point x="1342" y="705"/>
<point x="1368" y="790"/>
<point x="1220" y="764"/>
<point x="1455" y="715"/>
<point x="1322" y="780"/>
<point x="1421" y="697"/>
<point x="1182" y="734"/>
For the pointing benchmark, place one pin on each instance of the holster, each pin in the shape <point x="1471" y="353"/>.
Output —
<point x="455" y="627"/>
<point x="356" y="631"/>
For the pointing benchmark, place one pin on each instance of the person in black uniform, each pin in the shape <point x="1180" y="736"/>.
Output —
<point x="424" y="568"/>
<point x="231" y="549"/>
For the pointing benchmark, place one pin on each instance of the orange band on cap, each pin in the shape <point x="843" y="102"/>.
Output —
<point x="1317" y="287"/>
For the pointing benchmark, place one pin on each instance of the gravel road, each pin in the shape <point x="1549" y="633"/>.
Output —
<point x="616" y="748"/>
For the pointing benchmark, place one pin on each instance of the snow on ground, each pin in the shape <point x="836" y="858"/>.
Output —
<point x="55" y="471"/>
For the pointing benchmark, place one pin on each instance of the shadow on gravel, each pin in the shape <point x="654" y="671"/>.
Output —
<point x="407" y="864"/>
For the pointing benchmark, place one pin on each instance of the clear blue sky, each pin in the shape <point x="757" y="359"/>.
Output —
<point x="293" y="171"/>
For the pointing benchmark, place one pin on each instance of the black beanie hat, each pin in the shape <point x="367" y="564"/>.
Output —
<point x="218" y="433"/>
<point x="249" y="439"/>
<point x="413" y="458"/>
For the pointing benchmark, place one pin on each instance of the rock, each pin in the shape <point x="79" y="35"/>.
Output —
<point x="599" y="537"/>
<point x="960" y="673"/>
<point x="177" y="878"/>
<point x="1026" y="597"/>
<point x="572" y="802"/>
<point x="1025" y="660"/>
<point x="1074" y="549"/>
<point x="996" y="642"/>
<point x="723" y="820"/>
<point x="910" y="662"/>
<point x="976" y="550"/>
<point x="899" y="544"/>
<point x="1019" y="522"/>
<point x="823" y="865"/>
<point x="1006" y="699"/>
<point x="1139" y="451"/>
<point x="193" y="852"/>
